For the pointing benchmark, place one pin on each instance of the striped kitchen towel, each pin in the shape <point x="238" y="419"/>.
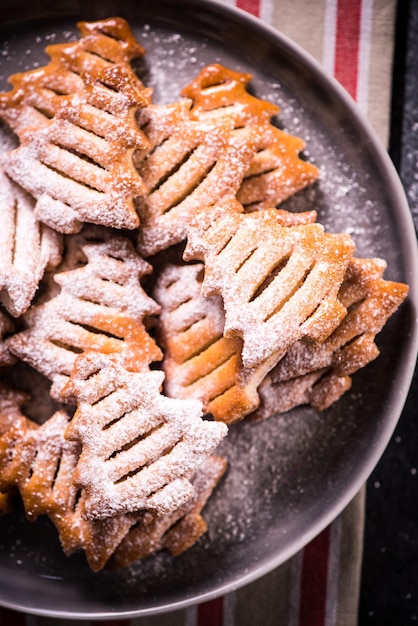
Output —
<point x="354" y="40"/>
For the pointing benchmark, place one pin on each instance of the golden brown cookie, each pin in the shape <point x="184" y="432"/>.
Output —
<point x="38" y="463"/>
<point x="199" y="362"/>
<point x="34" y="95"/>
<point x="177" y="531"/>
<point x="101" y="306"/>
<point x="320" y="373"/>
<point x="278" y="284"/>
<point x="193" y="163"/>
<point x="139" y="448"/>
<point x="27" y="247"/>
<point x="78" y="165"/>
<point x="219" y="91"/>
<point x="370" y="300"/>
<point x="277" y="170"/>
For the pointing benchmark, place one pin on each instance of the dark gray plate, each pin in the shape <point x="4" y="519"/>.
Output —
<point x="290" y="476"/>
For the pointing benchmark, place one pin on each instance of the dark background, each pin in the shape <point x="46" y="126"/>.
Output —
<point x="389" y="590"/>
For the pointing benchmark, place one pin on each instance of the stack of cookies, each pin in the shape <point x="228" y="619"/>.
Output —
<point x="149" y="278"/>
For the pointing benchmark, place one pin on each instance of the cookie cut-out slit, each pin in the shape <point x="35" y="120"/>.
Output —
<point x="54" y="193"/>
<point x="98" y="331"/>
<point x="188" y="191"/>
<point x="274" y="272"/>
<point x="109" y="34"/>
<point x="78" y="499"/>
<point x="289" y="295"/>
<point x="202" y="348"/>
<point x="66" y="346"/>
<point x="167" y="175"/>
<point x="254" y="178"/>
<point x="164" y="453"/>
<point x="56" y="91"/>
<point x="227" y="358"/>
<point x="103" y="394"/>
<point x="30" y="472"/>
<point x="131" y="444"/>
<point x="215" y="87"/>
<point x="107" y="86"/>
<point x="112" y="422"/>
<point x="57" y="470"/>
<point x="250" y="207"/>
<point x="351" y="341"/>
<point x="351" y="308"/>
<point x="174" y="529"/>
<point x="222" y="245"/>
<point x="83" y="156"/>
<point x="240" y="265"/>
<point x="219" y="395"/>
<point x="90" y="58"/>
<point x="191" y="324"/>
<point x="48" y="114"/>
<point x="134" y="472"/>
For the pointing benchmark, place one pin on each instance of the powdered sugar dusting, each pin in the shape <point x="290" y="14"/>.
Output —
<point x="173" y="58"/>
<point x="280" y="470"/>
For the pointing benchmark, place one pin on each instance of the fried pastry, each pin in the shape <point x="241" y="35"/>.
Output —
<point x="219" y="91"/>
<point x="370" y="300"/>
<point x="177" y="531"/>
<point x="139" y="448"/>
<point x="35" y="94"/>
<point x="319" y="374"/>
<point x="78" y="165"/>
<point x="11" y="401"/>
<point x="276" y="171"/>
<point x="27" y="248"/>
<point x="264" y="312"/>
<point x="39" y="463"/>
<point x="278" y="284"/>
<point x="109" y="271"/>
<point x="29" y="457"/>
<point x="97" y="539"/>
<point x="199" y="362"/>
<point x="100" y="306"/>
<point x="193" y="163"/>
<point x="319" y="389"/>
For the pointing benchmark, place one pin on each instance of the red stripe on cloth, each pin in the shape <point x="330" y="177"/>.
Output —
<point x="313" y="591"/>
<point x="210" y="613"/>
<point x="347" y="44"/>
<point x="12" y="618"/>
<point x="252" y="6"/>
